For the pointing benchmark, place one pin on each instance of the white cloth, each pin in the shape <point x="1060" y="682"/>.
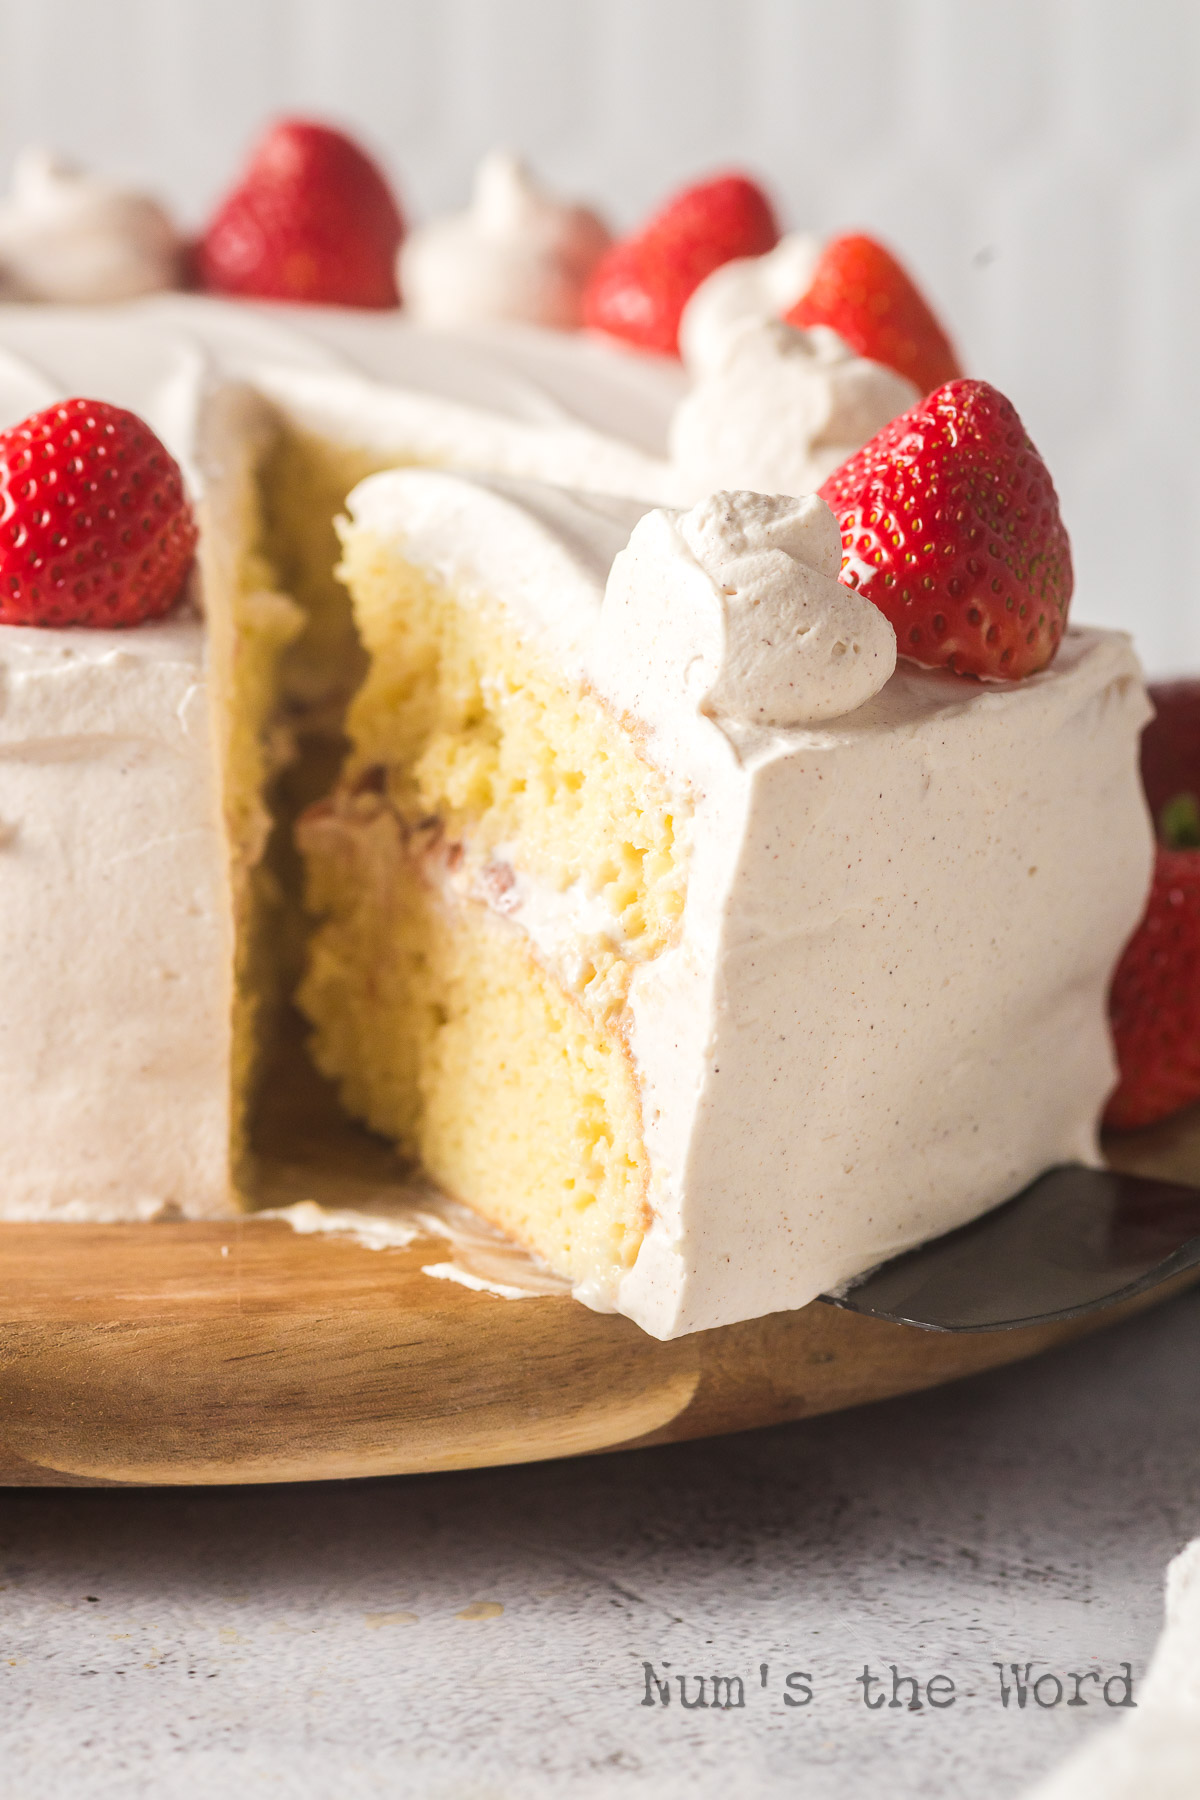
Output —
<point x="1154" y="1754"/>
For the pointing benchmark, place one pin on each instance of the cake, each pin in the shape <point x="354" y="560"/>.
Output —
<point x="688" y="939"/>
<point x="652" y="906"/>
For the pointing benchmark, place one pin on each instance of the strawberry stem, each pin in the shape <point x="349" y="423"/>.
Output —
<point x="1179" y="823"/>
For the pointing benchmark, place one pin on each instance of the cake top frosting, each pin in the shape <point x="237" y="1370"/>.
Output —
<point x="771" y="410"/>
<point x="732" y="609"/>
<point x="509" y="397"/>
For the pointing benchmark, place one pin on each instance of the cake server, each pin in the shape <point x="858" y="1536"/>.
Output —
<point x="1073" y="1241"/>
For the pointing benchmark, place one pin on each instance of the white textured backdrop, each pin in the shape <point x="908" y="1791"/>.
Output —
<point x="1037" y="162"/>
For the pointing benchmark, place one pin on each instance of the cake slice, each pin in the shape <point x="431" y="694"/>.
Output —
<point x="677" y="929"/>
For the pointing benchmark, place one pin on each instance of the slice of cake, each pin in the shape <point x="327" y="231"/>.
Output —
<point x="678" y="930"/>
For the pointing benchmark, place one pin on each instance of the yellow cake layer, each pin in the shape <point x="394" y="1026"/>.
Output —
<point x="267" y="624"/>
<point x="250" y="625"/>
<point x="474" y="728"/>
<point x="445" y="1032"/>
<point x="288" y="658"/>
<point x="304" y="481"/>
<point x="480" y="781"/>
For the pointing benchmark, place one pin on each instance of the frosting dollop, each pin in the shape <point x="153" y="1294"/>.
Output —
<point x="798" y="647"/>
<point x="782" y="411"/>
<point x="69" y="235"/>
<point x="736" y="607"/>
<point x="518" y="253"/>
<point x="748" y="291"/>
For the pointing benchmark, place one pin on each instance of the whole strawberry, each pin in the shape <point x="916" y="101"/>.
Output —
<point x="640" y="287"/>
<point x="1171" y="743"/>
<point x="950" y="525"/>
<point x="95" y="527"/>
<point x="860" y="290"/>
<point x="312" y="219"/>
<point x="1154" y="1005"/>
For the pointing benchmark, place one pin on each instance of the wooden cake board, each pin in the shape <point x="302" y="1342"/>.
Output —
<point x="242" y="1351"/>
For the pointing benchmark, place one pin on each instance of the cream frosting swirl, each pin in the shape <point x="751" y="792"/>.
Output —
<point x="748" y="291"/>
<point x="782" y="411"/>
<point x="749" y="619"/>
<point x="518" y="253"/>
<point x="69" y="235"/>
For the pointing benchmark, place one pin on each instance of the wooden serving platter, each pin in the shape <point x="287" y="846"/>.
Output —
<point x="241" y="1351"/>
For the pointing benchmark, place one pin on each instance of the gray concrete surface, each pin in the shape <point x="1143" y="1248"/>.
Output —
<point x="484" y="1634"/>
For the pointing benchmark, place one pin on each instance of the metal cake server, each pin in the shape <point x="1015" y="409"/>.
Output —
<point x="1075" y="1240"/>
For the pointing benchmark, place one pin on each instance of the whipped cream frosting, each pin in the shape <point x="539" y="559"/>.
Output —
<point x="789" y="645"/>
<point x="114" y="926"/>
<point x="781" y="409"/>
<point x="751" y="290"/>
<point x="886" y="1009"/>
<point x="512" y="398"/>
<point x="69" y="235"/>
<point x="518" y="253"/>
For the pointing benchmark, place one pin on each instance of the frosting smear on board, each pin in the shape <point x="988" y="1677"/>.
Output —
<point x="479" y="1257"/>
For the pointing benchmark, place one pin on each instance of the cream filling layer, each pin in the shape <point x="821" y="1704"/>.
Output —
<point x="570" y="929"/>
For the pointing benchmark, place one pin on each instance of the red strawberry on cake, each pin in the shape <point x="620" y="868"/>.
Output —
<point x="1171" y="744"/>
<point x="312" y="219"/>
<point x="950" y="525"/>
<point x="96" y="528"/>
<point x="1155" y="1001"/>
<point x="860" y="291"/>
<point x="639" y="289"/>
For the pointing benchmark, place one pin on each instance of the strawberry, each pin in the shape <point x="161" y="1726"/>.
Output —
<point x="1171" y="743"/>
<point x="95" y="527"/>
<point x="950" y="524"/>
<point x="311" y="219"/>
<point x="1154" y="1005"/>
<point x="860" y="290"/>
<point x="639" y="288"/>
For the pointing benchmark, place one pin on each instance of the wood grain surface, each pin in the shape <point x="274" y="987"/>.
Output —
<point x="239" y="1351"/>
